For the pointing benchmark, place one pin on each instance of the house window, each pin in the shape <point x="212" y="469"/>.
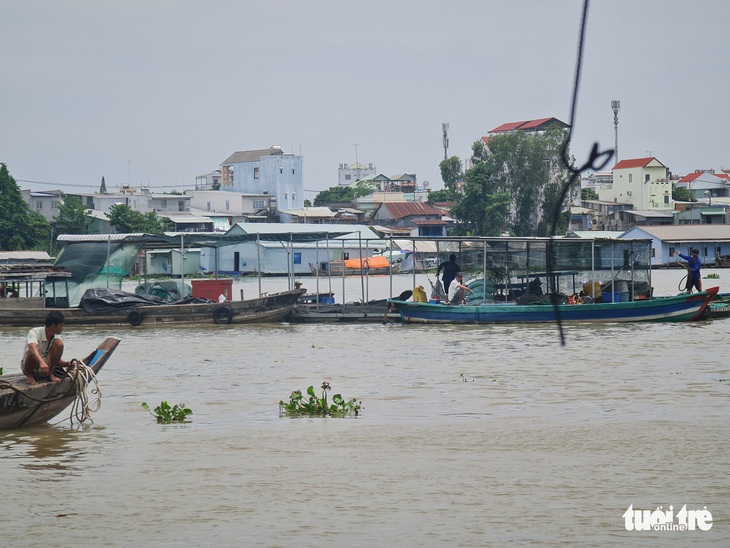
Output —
<point x="281" y="170"/>
<point x="207" y="205"/>
<point x="38" y="205"/>
<point x="286" y="195"/>
<point x="671" y="251"/>
<point x="646" y="178"/>
<point x="258" y="204"/>
<point x="228" y="205"/>
<point x="255" y="173"/>
<point x="181" y="205"/>
<point x="163" y="204"/>
<point x="348" y="177"/>
<point x="292" y="171"/>
<point x="293" y="195"/>
<point x="297" y="258"/>
<point x="630" y="176"/>
<point x="54" y="204"/>
<point x="666" y="200"/>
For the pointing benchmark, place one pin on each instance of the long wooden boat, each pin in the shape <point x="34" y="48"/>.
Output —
<point x="22" y="404"/>
<point x="133" y="311"/>
<point x="373" y="311"/>
<point x="680" y="308"/>
<point x="370" y="266"/>
<point x="719" y="306"/>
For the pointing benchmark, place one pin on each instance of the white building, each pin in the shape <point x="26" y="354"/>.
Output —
<point x="641" y="182"/>
<point x="269" y="172"/>
<point x="350" y="174"/>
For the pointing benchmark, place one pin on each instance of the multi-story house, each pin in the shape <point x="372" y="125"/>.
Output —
<point x="268" y="172"/>
<point x="350" y="174"/>
<point x="642" y="182"/>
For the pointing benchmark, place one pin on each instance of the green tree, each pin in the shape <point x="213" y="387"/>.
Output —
<point x="588" y="194"/>
<point x="125" y="220"/>
<point x="484" y="208"/>
<point x="72" y="216"/>
<point x="444" y="195"/>
<point x="363" y="188"/>
<point x="20" y="228"/>
<point x="335" y="194"/>
<point x="682" y="194"/>
<point x="307" y="203"/>
<point x="102" y="188"/>
<point x="38" y="231"/>
<point x="518" y="171"/>
<point x="451" y="172"/>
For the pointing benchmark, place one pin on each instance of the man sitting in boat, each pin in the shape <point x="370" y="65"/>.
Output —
<point x="43" y="350"/>
<point x="457" y="290"/>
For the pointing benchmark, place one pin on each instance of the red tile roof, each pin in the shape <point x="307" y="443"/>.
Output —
<point x="528" y="125"/>
<point x="690" y="177"/>
<point x="635" y="162"/>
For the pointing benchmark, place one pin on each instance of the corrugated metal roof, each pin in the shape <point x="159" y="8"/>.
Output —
<point x="400" y="210"/>
<point x="687" y="233"/>
<point x="418" y="246"/>
<point x="247" y="156"/>
<point x="433" y="222"/>
<point x="310" y="212"/>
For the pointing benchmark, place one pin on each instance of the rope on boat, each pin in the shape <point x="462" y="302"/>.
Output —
<point x="88" y="393"/>
<point x="87" y="400"/>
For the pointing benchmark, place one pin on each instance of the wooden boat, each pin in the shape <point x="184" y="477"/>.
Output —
<point x="370" y="266"/>
<point x="38" y="290"/>
<point x="541" y="279"/>
<point x="680" y="308"/>
<point x="22" y="404"/>
<point x="719" y="306"/>
<point x="120" y="308"/>
<point x="357" y="312"/>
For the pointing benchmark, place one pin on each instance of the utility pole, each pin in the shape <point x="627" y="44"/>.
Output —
<point x="445" y="131"/>
<point x="615" y="106"/>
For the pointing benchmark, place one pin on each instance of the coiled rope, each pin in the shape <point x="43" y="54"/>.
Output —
<point x="88" y="393"/>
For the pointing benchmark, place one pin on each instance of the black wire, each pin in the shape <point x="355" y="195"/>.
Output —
<point x="596" y="161"/>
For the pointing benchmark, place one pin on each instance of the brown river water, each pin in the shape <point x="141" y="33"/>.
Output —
<point x="469" y="436"/>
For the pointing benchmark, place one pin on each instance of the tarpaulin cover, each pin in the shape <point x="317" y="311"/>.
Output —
<point x="371" y="262"/>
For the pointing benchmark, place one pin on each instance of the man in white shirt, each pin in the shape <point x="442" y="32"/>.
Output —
<point x="43" y="350"/>
<point x="457" y="290"/>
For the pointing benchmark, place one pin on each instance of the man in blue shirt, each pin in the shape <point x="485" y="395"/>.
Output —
<point x="694" y="277"/>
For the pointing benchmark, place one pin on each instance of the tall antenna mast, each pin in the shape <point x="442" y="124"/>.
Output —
<point x="615" y="106"/>
<point x="445" y="130"/>
<point x="357" y="164"/>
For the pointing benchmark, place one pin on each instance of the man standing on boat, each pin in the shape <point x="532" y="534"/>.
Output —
<point x="43" y="350"/>
<point x="694" y="277"/>
<point x="450" y="269"/>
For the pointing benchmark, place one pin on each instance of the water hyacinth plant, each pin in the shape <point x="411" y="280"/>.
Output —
<point x="166" y="413"/>
<point x="299" y="405"/>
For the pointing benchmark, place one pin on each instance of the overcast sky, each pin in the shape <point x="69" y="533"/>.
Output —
<point x="156" y="92"/>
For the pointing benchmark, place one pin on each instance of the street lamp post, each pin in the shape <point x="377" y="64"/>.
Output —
<point x="709" y="197"/>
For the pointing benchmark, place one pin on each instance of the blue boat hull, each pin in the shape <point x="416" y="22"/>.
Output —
<point x="681" y="308"/>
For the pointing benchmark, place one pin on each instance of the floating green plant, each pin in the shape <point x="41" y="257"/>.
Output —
<point x="299" y="405"/>
<point x="712" y="276"/>
<point x="165" y="413"/>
